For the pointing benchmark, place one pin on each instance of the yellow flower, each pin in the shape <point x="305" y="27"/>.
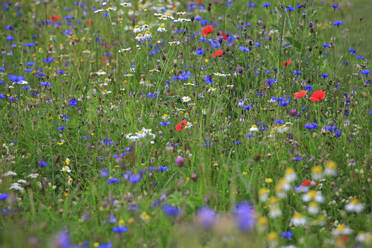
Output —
<point x="268" y="180"/>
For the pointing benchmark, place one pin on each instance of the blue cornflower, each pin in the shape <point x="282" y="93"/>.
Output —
<point x="208" y="79"/>
<point x="324" y="75"/>
<point x="113" y="180"/>
<point x="278" y="121"/>
<point x="289" y="8"/>
<point x="206" y="216"/>
<point x="3" y="196"/>
<point x="170" y="210"/>
<point x="72" y="102"/>
<point x="244" y="215"/>
<point x="164" y="123"/>
<point x="135" y="178"/>
<point x="199" y="51"/>
<point x="104" y="172"/>
<point x="16" y="78"/>
<point x="311" y="125"/>
<point x="265" y="5"/>
<point x="61" y="128"/>
<point x="287" y="235"/>
<point x="48" y="60"/>
<point x="244" y="49"/>
<point x="247" y="107"/>
<point x="338" y="23"/>
<point x="120" y="229"/>
<point x="360" y="58"/>
<point x="365" y="72"/>
<point x="42" y="164"/>
<point x="162" y="168"/>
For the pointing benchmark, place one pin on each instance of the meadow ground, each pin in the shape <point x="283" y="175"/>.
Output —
<point x="185" y="123"/>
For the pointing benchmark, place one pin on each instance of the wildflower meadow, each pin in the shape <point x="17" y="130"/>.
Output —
<point x="166" y="123"/>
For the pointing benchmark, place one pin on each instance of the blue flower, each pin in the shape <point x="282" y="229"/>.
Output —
<point x="311" y="125"/>
<point x="206" y="216"/>
<point x="338" y="23"/>
<point x="199" y="51"/>
<point x="287" y="235"/>
<point x="72" y="102"/>
<point x="48" y="60"/>
<point x="265" y="5"/>
<point x="42" y="164"/>
<point x="244" y="49"/>
<point x="113" y="180"/>
<point x="365" y="72"/>
<point x="208" y="79"/>
<point x="170" y="210"/>
<point x="120" y="229"/>
<point x="135" y="178"/>
<point x="3" y="196"/>
<point x="244" y="215"/>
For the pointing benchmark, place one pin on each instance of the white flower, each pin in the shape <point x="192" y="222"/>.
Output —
<point x="100" y="72"/>
<point x="10" y="173"/>
<point x="253" y="128"/>
<point x="342" y="230"/>
<point x="124" y="50"/>
<point x="313" y="208"/>
<point x="313" y="195"/>
<point x="22" y="181"/>
<point x="298" y="220"/>
<point x="275" y="212"/>
<point x="161" y="28"/>
<point x="66" y="169"/>
<point x="186" y="99"/>
<point x="33" y="175"/>
<point x="354" y="206"/>
<point x="16" y="186"/>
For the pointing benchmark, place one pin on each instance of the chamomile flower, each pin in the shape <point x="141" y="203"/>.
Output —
<point x="254" y="128"/>
<point x="263" y="194"/>
<point x="298" y="219"/>
<point x="66" y="169"/>
<point x="313" y="195"/>
<point x="354" y="206"/>
<point x="186" y="99"/>
<point x="341" y="229"/>
<point x="162" y="28"/>
<point x="313" y="208"/>
<point x="290" y="175"/>
<point x="330" y="169"/>
<point x="364" y="237"/>
<point x="317" y="172"/>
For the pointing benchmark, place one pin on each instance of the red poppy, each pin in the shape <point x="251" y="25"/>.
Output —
<point x="207" y="30"/>
<point x="300" y="94"/>
<point x="224" y="36"/>
<point x="89" y="21"/>
<point x="308" y="182"/>
<point x="54" y="18"/>
<point x="199" y="1"/>
<point x="181" y="125"/>
<point x="317" y="95"/>
<point x="218" y="53"/>
<point x="287" y="63"/>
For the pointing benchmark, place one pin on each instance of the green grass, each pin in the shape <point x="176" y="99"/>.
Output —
<point x="101" y="93"/>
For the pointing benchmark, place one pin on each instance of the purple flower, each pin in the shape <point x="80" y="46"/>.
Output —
<point x="244" y="215"/>
<point x="206" y="216"/>
<point x="170" y="210"/>
<point x="180" y="161"/>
